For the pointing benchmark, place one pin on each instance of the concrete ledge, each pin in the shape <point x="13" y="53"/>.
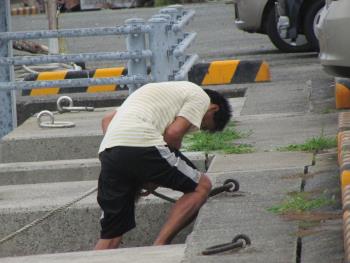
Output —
<point x="69" y="170"/>
<point x="30" y="143"/>
<point x="342" y="93"/>
<point x="75" y="229"/>
<point x="229" y="71"/>
<point x="27" y="106"/>
<point x="49" y="171"/>
<point x="161" y="254"/>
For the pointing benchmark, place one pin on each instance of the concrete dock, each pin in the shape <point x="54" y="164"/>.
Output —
<point x="42" y="169"/>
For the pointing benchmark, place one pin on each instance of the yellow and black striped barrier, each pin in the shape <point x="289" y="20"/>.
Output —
<point x="344" y="165"/>
<point x="214" y="73"/>
<point x="229" y="72"/>
<point x="342" y="93"/>
<point x="65" y="74"/>
<point x="22" y="11"/>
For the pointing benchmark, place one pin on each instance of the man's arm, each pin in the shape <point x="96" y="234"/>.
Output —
<point x="175" y="132"/>
<point x="106" y="120"/>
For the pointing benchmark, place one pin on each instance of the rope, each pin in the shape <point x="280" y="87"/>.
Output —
<point x="164" y="197"/>
<point x="47" y="215"/>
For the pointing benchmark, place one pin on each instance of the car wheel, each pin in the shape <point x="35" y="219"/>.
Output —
<point x="300" y="44"/>
<point x="310" y="20"/>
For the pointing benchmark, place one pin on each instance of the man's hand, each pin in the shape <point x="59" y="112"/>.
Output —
<point x="175" y="132"/>
<point x="106" y="120"/>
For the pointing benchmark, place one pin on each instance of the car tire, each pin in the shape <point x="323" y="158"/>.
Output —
<point x="281" y="44"/>
<point x="309" y="21"/>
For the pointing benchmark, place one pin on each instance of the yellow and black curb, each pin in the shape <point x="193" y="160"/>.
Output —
<point x="229" y="72"/>
<point x="344" y="164"/>
<point x="346" y="224"/>
<point x="64" y="74"/>
<point x="22" y="11"/>
<point x="214" y="73"/>
<point x="342" y="93"/>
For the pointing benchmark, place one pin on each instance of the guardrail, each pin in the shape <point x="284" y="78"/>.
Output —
<point x="160" y="43"/>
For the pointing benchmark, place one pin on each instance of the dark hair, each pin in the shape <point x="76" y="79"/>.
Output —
<point x="223" y="115"/>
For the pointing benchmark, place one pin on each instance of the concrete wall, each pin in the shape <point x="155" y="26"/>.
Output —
<point x="77" y="229"/>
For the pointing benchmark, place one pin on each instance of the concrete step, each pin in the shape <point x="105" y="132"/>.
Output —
<point x="265" y="180"/>
<point x="268" y="132"/>
<point x="30" y="143"/>
<point x="75" y="229"/>
<point x="49" y="171"/>
<point x="158" y="254"/>
<point x="69" y="170"/>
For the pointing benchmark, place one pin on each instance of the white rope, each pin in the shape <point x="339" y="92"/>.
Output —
<point x="47" y="215"/>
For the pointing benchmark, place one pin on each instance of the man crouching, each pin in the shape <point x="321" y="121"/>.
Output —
<point x="140" y="149"/>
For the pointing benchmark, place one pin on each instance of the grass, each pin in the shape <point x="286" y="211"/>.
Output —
<point x="329" y="110"/>
<point x="311" y="145"/>
<point x="166" y="2"/>
<point x="219" y="141"/>
<point x="300" y="202"/>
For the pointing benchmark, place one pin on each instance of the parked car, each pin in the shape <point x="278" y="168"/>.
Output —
<point x="288" y="23"/>
<point x="333" y="31"/>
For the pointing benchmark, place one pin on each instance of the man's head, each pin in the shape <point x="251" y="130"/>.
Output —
<point x="218" y="114"/>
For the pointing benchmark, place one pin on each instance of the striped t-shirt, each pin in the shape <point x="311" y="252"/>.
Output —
<point x="147" y="112"/>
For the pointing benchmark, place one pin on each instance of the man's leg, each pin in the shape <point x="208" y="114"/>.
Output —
<point x="184" y="211"/>
<point x="108" y="243"/>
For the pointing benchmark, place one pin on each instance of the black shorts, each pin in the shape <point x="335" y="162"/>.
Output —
<point x="124" y="170"/>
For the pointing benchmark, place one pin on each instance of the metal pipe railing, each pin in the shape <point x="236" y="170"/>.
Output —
<point x="184" y="21"/>
<point x="99" y="56"/>
<point x="182" y="73"/>
<point x="76" y="32"/>
<point x="160" y="43"/>
<point x="67" y="83"/>
<point x="184" y="44"/>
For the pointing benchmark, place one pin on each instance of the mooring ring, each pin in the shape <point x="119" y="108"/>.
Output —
<point x="62" y="99"/>
<point x="52" y="123"/>
<point x="246" y="240"/>
<point x="234" y="183"/>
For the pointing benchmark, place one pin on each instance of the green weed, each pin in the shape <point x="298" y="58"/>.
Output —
<point x="312" y="145"/>
<point x="300" y="202"/>
<point x="219" y="141"/>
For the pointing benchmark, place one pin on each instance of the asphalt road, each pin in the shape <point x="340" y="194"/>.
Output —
<point x="217" y="38"/>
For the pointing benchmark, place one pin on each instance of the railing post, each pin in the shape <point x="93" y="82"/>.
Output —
<point x="179" y="35"/>
<point x="158" y="44"/>
<point x="173" y="40"/>
<point x="136" y="42"/>
<point x="8" y="118"/>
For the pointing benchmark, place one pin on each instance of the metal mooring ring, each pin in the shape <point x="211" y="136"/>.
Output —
<point x="234" y="183"/>
<point x="239" y="241"/>
<point x="52" y="123"/>
<point x="245" y="238"/>
<point x="62" y="99"/>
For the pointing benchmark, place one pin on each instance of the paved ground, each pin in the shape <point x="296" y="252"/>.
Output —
<point x="295" y="106"/>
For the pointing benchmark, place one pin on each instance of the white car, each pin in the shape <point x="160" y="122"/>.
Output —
<point x="333" y="31"/>
<point x="288" y="23"/>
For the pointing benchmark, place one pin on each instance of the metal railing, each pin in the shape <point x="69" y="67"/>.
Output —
<point x="165" y="55"/>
